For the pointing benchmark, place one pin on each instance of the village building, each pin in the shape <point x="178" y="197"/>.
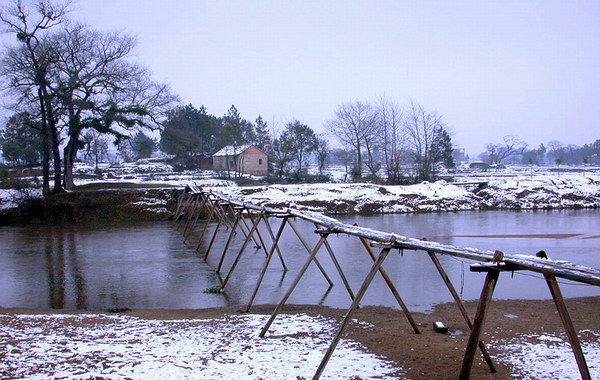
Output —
<point x="243" y="159"/>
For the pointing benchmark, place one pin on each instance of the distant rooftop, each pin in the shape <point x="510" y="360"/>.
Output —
<point x="231" y="150"/>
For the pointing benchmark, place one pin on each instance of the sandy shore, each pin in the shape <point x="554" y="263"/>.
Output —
<point x="428" y="355"/>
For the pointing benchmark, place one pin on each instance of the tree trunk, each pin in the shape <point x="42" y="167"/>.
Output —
<point x="70" y="153"/>
<point x="45" y="147"/>
<point x="56" y="157"/>
<point x="54" y="141"/>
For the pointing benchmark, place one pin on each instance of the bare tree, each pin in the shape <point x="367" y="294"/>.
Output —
<point x="422" y="127"/>
<point x="322" y="152"/>
<point x="354" y="125"/>
<point x="98" y="88"/>
<point x="345" y="157"/>
<point x="393" y="137"/>
<point x="26" y="70"/>
<point x="498" y="152"/>
<point x="96" y="147"/>
<point x="80" y="78"/>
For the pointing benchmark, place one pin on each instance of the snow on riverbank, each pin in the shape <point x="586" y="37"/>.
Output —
<point x="543" y="191"/>
<point x="564" y="191"/>
<point x="42" y="346"/>
<point x="548" y="356"/>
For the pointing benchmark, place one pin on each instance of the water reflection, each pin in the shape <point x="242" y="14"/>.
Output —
<point x="63" y="272"/>
<point x="146" y="265"/>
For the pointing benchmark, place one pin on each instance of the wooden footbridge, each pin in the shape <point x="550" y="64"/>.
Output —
<point x="240" y="219"/>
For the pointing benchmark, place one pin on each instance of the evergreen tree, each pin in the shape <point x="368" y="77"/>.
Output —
<point x="235" y="130"/>
<point x="262" y="132"/>
<point x="142" y="145"/>
<point x="442" y="148"/>
<point x="21" y="140"/>
<point x="188" y="132"/>
<point x="302" y="142"/>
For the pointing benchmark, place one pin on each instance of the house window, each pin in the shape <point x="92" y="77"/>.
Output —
<point x="260" y="161"/>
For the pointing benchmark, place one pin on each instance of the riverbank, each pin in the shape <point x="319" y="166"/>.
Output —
<point x="88" y="205"/>
<point x="542" y="192"/>
<point x="116" y="200"/>
<point x="524" y="337"/>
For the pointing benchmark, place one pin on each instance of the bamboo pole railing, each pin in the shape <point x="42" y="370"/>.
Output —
<point x="195" y="202"/>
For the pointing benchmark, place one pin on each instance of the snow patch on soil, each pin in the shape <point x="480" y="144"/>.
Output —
<point x="42" y="346"/>
<point x="9" y="198"/>
<point x="549" y="357"/>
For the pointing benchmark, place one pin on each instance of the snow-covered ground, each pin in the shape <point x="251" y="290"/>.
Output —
<point x="516" y="193"/>
<point x="512" y="188"/>
<point x="117" y="346"/>
<point x="39" y="347"/>
<point x="548" y="356"/>
<point x="9" y="198"/>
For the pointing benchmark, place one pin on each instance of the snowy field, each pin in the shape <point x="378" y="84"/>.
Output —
<point x="37" y="347"/>
<point x="101" y="346"/>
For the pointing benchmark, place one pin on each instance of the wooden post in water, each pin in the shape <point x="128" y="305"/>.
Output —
<point x="230" y="238"/>
<point x="270" y="231"/>
<point x="461" y="307"/>
<point x="262" y="244"/>
<point x="484" y="301"/>
<point x="179" y="202"/>
<point x="207" y="223"/>
<point x="307" y="247"/>
<point x="241" y="251"/>
<point x="568" y="324"/>
<point x="338" y="267"/>
<point x="294" y="283"/>
<point x="212" y="239"/>
<point x="266" y="263"/>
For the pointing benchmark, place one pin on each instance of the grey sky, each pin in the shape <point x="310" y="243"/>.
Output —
<point x="492" y="68"/>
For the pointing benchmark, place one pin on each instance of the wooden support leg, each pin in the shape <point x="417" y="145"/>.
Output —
<point x="257" y="232"/>
<point x="239" y="255"/>
<point x="178" y="208"/>
<point x="213" y="238"/>
<point x="245" y="230"/>
<point x="361" y="292"/>
<point x="392" y="288"/>
<point x="270" y="231"/>
<point x="484" y="301"/>
<point x="307" y="247"/>
<point x="229" y="239"/>
<point x="338" y="267"/>
<point x="191" y="213"/>
<point x="194" y="214"/>
<point x="568" y="324"/>
<point x="297" y="279"/>
<point x="266" y="263"/>
<point x="181" y="207"/>
<point x="461" y="307"/>
<point x="184" y="212"/>
<point x="189" y="230"/>
<point x="208" y="220"/>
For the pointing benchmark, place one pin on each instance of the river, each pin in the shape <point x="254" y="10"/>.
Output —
<point x="147" y="265"/>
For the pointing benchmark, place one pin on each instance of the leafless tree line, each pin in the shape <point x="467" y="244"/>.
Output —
<point x="386" y="135"/>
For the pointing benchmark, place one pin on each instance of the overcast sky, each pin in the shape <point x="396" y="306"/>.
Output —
<point x="492" y="68"/>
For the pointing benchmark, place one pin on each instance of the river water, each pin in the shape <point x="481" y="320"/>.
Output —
<point x="147" y="265"/>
